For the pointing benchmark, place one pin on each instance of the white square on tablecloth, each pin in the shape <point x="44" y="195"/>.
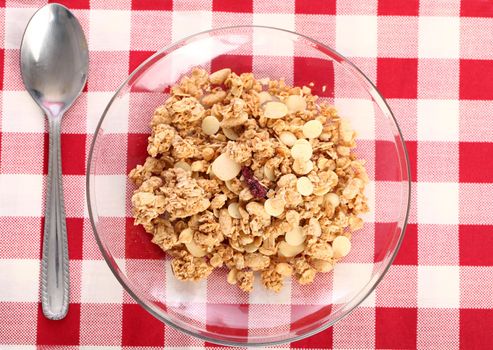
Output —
<point x="186" y="23"/>
<point x="284" y="45"/>
<point x="361" y="114"/>
<point x="109" y="30"/>
<point x="356" y="36"/>
<point x="98" y="283"/>
<point x="351" y="278"/>
<point x="111" y="197"/>
<point x="438" y="286"/>
<point x="20" y="347"/>
<point x="439" y="37"/>
<point x="16" y="20"/>
<point x="21" y="113"/>
<point x="438" y="120"/>
<point x="21" y="195"/>
<point x="438" y="203"/>
<point x="19" y="279"/>
<point x="116" y="119"/>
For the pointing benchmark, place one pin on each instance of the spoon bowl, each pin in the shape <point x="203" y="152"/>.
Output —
<point x="54" y="58"/>
<point x="54" y="64"/>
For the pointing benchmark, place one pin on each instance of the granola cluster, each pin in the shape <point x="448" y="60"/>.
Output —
<point x="249" y="174"/>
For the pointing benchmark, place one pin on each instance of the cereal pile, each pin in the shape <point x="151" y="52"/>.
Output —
<point x="249" y="174"/>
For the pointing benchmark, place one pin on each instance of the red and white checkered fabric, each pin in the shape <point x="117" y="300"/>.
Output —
<point x="432" y="60"/>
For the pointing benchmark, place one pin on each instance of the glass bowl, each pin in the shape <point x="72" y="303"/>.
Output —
<point x="214" y="310"/>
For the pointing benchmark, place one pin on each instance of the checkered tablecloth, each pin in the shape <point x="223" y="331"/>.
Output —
<point x="431" y="59"/>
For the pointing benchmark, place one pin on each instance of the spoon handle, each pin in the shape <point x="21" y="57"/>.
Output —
<point x="54" y="264"/>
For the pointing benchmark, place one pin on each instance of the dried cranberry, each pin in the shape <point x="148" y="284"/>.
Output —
<point x="255" y="187"/>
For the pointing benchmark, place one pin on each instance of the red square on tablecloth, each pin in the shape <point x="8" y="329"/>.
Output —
<point x="245" y="6"/>
<point x="74" y="237"/>
<point x="137" y="150"/>
<point x="321" y="340"/>
<point x="386" y="160"/>
<point x="138" y="322"/>
<point x="316" y="7"/>
<point x="237" y="315"/>
<point x="475" y="79"/>
<point x="73" y="154"/>
<point x="475" y="242"/>
<point x="476" y="8"/>
<point x="136" y="58"/>
<point x="152" y="5"/>
<point x="382" y="235"/>
<point x="412" y="152"/>
<point x="408" y="252"/>
<point x="395" y="328"/>
<point x="398" y="7"/>
<point x="73" y="4"/>
<point x="238" y="63"/>
<point x="476" y="328"/>
<point x="60" y="332"/>
<point x="2" y="60"/>
<point x="470" y="155"/>
<point x="318" y="71"/>
<point x="138" y="244"/>
<point x="397" y="77"/>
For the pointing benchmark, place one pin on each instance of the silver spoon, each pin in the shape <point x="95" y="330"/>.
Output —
<point x="54" y="64"/>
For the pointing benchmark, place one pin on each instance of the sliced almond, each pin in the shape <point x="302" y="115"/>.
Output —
<point x="263" y="97"/>
<point x="302" y="167"/>
<point x="183" y="165"/>
<point x="295" y="237"/>
<point x="186" y="236"/>
<point x="230" y="134"/>
<point x="210" y="125"/>
<point x="341" y="246"/>
<point x="295" y="103"/>
<point x="195" y="249"/>
<point x="275" y="110"/>
<point x="230" y="187"/>
<point x="218" y="77"/>
<point x="269" y="173"/>
<point x="232" y="276"/>
<point x="304" y="186"/>
<point x="287" y="138"/>
<point x="333" y="199"/>
<point x="302" y="151"/>
<point x="312" y="129"/>
<point x="225" y="168"/>
<point x="251" y="248"/>
<point x="322" y="189"/>
<point x="289" y="251"/>
<point x="274" y="206"/>
<point x="234" y="210"/>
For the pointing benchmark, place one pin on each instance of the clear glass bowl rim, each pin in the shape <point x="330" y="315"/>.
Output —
<point x="373" y="92"/>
